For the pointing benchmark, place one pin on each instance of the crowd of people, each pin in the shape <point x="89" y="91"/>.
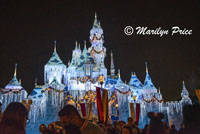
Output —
<point x="15" y="117"/>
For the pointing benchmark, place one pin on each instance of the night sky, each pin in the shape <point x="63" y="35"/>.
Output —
<point x="27" y="32"/>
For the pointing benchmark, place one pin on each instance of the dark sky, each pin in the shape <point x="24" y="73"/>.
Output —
<point x="27" y="32"/>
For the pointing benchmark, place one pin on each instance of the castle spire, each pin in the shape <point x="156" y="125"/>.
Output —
<point x="20" y="81"/>
<point x="79" y="46"/>
<point x="69" y="63"/>
<point x="96" y="22"/>
<point x="119" y="73"/>
<point x="55" y="46"/>
<point x="95" y="15"/>
<point x="159" y="90"/>
<point x="146" y="67"/>
<point x="84" y="43"/>
<point x="76" y="45"/>
<point x="15" y="73"/>
<point x="112" y="66"/>
<point x="184" y="92"/>
<point x="35" y="81"/>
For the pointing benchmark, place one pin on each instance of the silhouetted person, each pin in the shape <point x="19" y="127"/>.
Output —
<point x="126" y="130"/>
<point x="191" y="119"/>
<point x="69" y="114"/>
<point x="135" y="130"/>
<point x="72" y="129"/>
<point x="130" y="121"/>
<point x="14" y="119"/>
<point x="173" y="129"/>
<point x="0" y="111"/>
<point x="156" y="126"/>
<point x="180" y="131"/>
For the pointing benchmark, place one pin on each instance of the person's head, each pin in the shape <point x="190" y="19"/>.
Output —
<point x="69" y="114"/>
<point x="42" y="128"/>
<point x="172" y="126"/>
<point x="71" y="129"/>
<point x="191" y="118"/>
<point x="156" y="126"/>
<point x="15" y="116"/>
<point x="109" y="126"/>
<point x="126" y="130"/>
<point x="102" y="126"/>
<point x="51" y="127"/>
<point x="135" y="130"/>
<point x="130" y="121"/>
<point x="135" y="124"/>
<point x="121" y="124"/>
<point x="58" y="131"/>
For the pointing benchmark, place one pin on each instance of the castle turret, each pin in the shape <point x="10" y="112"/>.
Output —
<point x="54" y="68"/>
<point x="14" y="83"/>
<point x="148" y="84"/>
<point x="97" y="50"/>
<point x="185" y="96"/>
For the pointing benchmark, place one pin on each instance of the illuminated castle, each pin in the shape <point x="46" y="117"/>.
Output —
<point x="69" y="84"/>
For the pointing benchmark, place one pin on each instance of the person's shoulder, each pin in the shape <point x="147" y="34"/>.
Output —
<point x="95" y="128"/>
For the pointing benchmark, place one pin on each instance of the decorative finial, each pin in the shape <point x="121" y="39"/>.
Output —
<point x="146" y="67"/>
<point x="55" y="46"/>
<point x="35" y="81"/>
<point x="69" y="63"/>
<point x="79" y="46"/>
<point x="119" y="73"/>
<point x="183" y="83"/>
<point x="84" y="43"/>
<point x="159" y="90"/>
<point x="99" y="23"/>
<point x="111" y="53"/>
<point x="95" y="15"/>
<point x="15" y="73"/>
<point x="76" y="45"/>
<point x="20" y="81"/>
<point x="131" y="73"/>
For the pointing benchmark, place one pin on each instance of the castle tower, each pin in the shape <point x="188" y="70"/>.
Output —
<point x="97" y="50"/>
<point x="54" y="68"/>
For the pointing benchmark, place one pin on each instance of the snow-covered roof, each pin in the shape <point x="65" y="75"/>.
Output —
<point x="184" y="91"/>
<point x="36" y="93"/>
<point x="14" y="83"/>
<point x="148" y="84"/>
<point x="55" y="59"/>
<point x="135" y="82"/>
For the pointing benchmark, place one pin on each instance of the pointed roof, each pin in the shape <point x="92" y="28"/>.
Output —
<point x="14" y="83"/>
<point x="135" y="82"/>
<point x="55" y="59"/>
<point x="184" y="92"/>
<point x="148" y="84"/>
<point x="119" y="81"/>
<point x="96" y="22"/>
<point x="72" y="62"/>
